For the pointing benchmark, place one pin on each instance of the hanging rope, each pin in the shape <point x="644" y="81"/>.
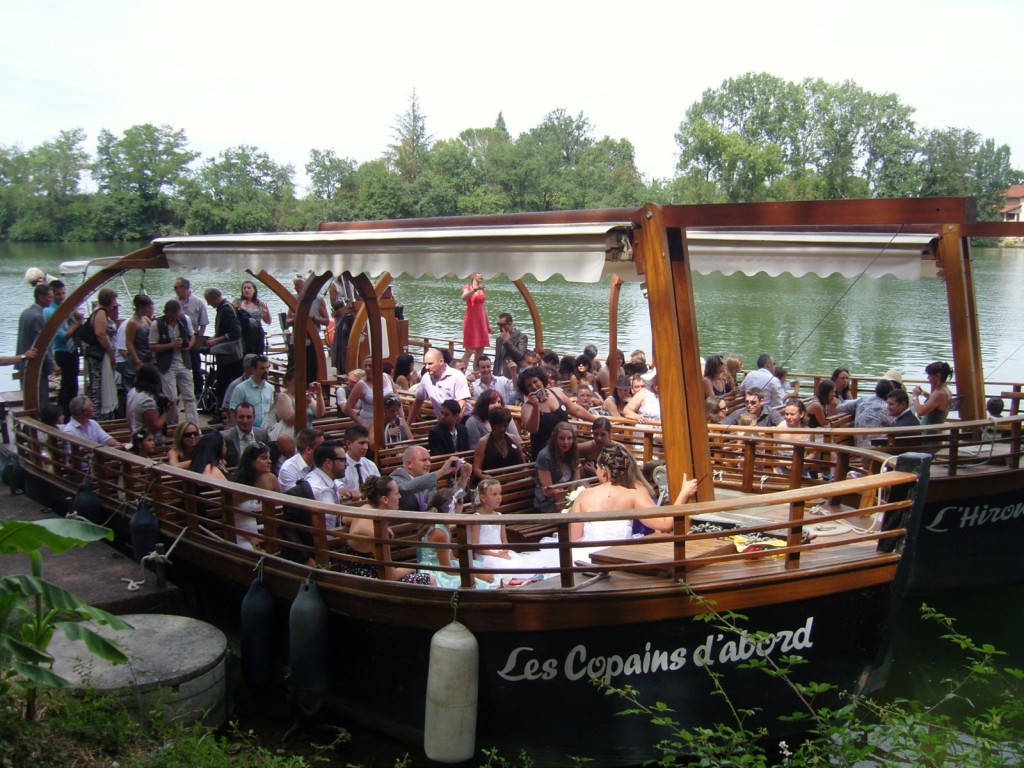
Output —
<point x="454" y="602"/>
<point x="154" y="557"/>
<point x="1005" y="360"/>
<point x="842" y="296"/>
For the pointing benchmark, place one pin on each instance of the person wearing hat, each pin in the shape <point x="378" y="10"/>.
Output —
<point x="318" y="314"/>
<point x="894" y="376"/>
<point x="620" y="395"/>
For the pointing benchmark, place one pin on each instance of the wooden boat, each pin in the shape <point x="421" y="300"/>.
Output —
<point x="626" y="616"/>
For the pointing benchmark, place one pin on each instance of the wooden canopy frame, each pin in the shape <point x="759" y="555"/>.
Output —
<point x="660" y="254"/>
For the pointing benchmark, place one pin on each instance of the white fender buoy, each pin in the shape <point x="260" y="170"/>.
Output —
<point x="449" y="729"/>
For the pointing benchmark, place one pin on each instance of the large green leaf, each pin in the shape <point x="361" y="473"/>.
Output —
<point x="38" y="676"/>
<point x="23" y="651"/>
<point x="96" y="643"/>
<point x="56" y="598"/>
<point x="58" y="534"/>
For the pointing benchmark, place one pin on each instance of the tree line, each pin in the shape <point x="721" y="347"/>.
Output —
<point x="754" y="138"/>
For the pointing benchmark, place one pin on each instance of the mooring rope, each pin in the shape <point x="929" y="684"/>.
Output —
<point x="842" y="296"/>
<point x="135" y="585"/>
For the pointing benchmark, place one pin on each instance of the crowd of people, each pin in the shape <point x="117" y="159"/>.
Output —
<point x="147" y="368"/>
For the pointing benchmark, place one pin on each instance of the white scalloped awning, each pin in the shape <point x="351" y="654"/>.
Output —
<point x="819" y="253"/>
<point x="575" y="251"/>
<point x="578" y="252"/>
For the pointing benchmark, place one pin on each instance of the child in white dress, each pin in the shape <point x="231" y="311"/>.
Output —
<point x="490" y="542"/>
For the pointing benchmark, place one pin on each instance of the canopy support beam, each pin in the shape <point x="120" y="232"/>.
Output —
<point x="674" y="332"/>
<point x="954" y="258"/>
<point x="531" y="306"/>
<point x="144" y="258"/>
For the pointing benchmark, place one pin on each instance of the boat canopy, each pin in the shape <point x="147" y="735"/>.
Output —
<point x="575" y="251"/>
<point x="579" y="252"/>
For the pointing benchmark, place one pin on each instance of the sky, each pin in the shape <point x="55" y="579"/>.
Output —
<point x="294" y="76"/>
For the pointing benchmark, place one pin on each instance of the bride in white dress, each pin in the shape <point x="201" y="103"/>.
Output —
<point x="615" y="492"/>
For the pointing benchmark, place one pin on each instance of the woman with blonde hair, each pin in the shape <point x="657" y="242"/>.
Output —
<point x="733" y="368"/>
<point x="186" y="438"/>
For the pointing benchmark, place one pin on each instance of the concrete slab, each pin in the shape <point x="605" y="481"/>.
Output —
<point x="95" y="573"/>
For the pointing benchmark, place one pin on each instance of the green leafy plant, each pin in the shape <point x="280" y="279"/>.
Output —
<point x="860" y="731"/>
<point x="32" y="609"/>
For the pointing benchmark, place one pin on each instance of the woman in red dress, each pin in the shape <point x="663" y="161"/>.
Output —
<point x="476" y="331"/>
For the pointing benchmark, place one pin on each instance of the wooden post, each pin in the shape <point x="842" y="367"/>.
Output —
<point x="612" y="359"/>
<point x="677" y="358"/>
<point x="531" y="306"/>
<point x="353" y="356"/>
<point x="310" y="291"/>
<point x="954" y="258"/>
<point x="371" y="306"/>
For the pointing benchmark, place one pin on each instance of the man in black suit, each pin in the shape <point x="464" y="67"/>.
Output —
<point x="900" y="411"/>
<point x="509" y="348"/>
<point x="449" y="436"/>
<point x="243" y="434"/>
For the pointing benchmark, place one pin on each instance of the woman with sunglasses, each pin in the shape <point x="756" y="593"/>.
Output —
<point x="186" y="438"/>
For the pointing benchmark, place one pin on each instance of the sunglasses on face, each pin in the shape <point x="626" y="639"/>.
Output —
<point x="188" y="435"/>
<point x="753" y="402"/>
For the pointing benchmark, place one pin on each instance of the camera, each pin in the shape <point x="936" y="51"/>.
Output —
<point x="163" y="402"/>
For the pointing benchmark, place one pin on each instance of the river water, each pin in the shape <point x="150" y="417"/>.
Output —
<point x="809" y="324"/>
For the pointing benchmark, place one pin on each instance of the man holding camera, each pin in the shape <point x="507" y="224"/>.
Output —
<point x="416" y="483"/>
<point x="172" y="339"/>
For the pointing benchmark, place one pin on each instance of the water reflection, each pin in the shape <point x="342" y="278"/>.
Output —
<point x="808" y="323"/>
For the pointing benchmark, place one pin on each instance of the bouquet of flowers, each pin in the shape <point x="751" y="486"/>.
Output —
<point x="571" y="497"/>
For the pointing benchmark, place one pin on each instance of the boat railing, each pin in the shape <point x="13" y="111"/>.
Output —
<point x="749" y="453"/>
<point x="207" y="512"/>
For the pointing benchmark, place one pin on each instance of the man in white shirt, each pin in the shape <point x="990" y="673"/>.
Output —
<point x="330" y="465"/>
<point x="485" y="379"/>
<point x="441" y="383"/>
<point x="301" y="464"/>
<point x="81" y="423"/>
<point x="358" y="468"/>
<point x="764" y="379"/>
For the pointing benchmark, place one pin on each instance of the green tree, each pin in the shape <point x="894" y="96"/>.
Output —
<point x="242" y="190"/>
<point x="332" y="189"/>
<point x="380" y="193"/>
<point x="137" y="176"/>
<point x="408" y="155"/>
<point x="957" y="161"/>
<point x="546" y="161"/>
<point x="49" y="204"/>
